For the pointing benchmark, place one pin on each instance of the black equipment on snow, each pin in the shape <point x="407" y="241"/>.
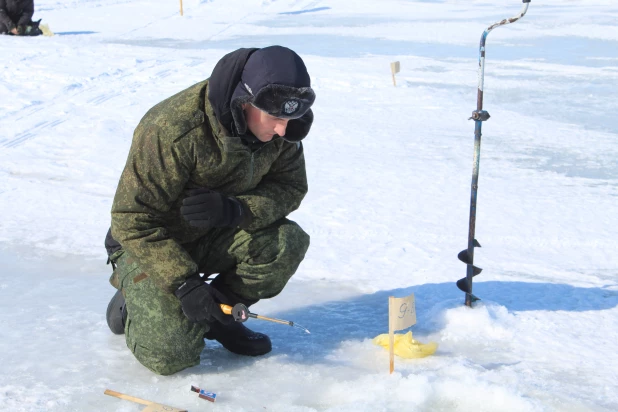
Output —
<point x="31" y="29"/>
<point x="479" y="116"/>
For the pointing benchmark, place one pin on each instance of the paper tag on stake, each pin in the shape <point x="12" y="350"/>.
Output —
<point x="401" y="315"/>
<point x="394" y="69"/>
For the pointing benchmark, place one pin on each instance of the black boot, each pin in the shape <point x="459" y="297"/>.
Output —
<point x="236" y="337"/>
<point x="239" y="339"/>
<point x="117" y="313"/>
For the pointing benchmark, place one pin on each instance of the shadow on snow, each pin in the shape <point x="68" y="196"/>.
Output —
<point x="306" y="11"/>
<point x="366" y="316"/>
<point x="75" y="33"/>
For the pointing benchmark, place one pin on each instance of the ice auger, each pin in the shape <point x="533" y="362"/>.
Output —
<point x="479" y="116"/>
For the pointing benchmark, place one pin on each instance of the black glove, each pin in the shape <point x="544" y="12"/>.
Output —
<point x="200" y="302"/>
<point x="205" y="208"/>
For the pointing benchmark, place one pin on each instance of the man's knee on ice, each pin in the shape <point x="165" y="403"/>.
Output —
<point x="169" y="358"/>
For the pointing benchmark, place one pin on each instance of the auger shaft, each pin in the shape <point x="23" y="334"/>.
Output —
<point x="479" y="116"/>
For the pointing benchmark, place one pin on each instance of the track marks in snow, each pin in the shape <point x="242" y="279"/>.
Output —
<point x="75" y="95"/>
<point x="102" y="98"/>
<point x="30" y="133"/>
<point x="163" y="73"/>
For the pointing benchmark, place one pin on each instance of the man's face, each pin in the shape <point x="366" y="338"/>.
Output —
<point x="262" y="125"/>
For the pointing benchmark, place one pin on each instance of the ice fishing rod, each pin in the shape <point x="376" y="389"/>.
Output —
<point x="479" y="116"/>
<point x="241" y="313"/>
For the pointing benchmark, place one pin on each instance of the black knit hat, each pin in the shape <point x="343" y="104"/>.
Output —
<point x="275" y="80"/>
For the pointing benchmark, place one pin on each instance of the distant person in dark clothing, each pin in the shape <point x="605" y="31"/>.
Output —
<point x="16" y="18"/>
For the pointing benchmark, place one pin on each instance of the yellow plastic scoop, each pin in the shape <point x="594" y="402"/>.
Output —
<point x="407" y="347"/>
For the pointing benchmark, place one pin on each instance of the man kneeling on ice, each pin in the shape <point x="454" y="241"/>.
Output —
<point x="211" y="175"/>
<point x="16" y="18"/>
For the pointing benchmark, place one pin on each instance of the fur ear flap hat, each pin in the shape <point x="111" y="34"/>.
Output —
<point x="275" y="80"/>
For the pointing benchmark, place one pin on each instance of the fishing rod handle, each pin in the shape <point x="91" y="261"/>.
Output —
<point x="239" y="311"/>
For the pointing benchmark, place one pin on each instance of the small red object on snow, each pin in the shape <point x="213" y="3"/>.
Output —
<point x="209" y="396"/>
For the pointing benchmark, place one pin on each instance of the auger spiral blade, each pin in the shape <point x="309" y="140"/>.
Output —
<point x="464" y="284"/>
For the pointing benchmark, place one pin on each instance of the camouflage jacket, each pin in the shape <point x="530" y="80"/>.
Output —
<point x="178" y="146"/>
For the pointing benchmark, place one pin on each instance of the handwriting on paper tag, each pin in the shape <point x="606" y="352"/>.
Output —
<point x="401" y="312"/>
<point x="406" y="310"/>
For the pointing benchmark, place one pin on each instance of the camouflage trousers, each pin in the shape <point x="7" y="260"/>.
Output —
<point x="255" y="265"/>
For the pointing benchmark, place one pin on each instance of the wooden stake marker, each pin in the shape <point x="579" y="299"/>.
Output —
<point x="181" y="7"/>
<point x="395" y="67"/>
<point x="401" y="315"/>
<point x="150" y="406"/>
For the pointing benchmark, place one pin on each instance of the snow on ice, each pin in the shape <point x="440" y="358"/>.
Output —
<point x="387" y="210"/>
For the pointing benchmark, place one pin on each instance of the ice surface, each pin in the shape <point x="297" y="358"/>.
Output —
<point x="389" y="173"/>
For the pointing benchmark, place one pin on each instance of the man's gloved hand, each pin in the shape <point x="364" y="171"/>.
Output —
<point x="205" y="209"/>
<point x="21" y="29"/>
<point x="200" y="301"/>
